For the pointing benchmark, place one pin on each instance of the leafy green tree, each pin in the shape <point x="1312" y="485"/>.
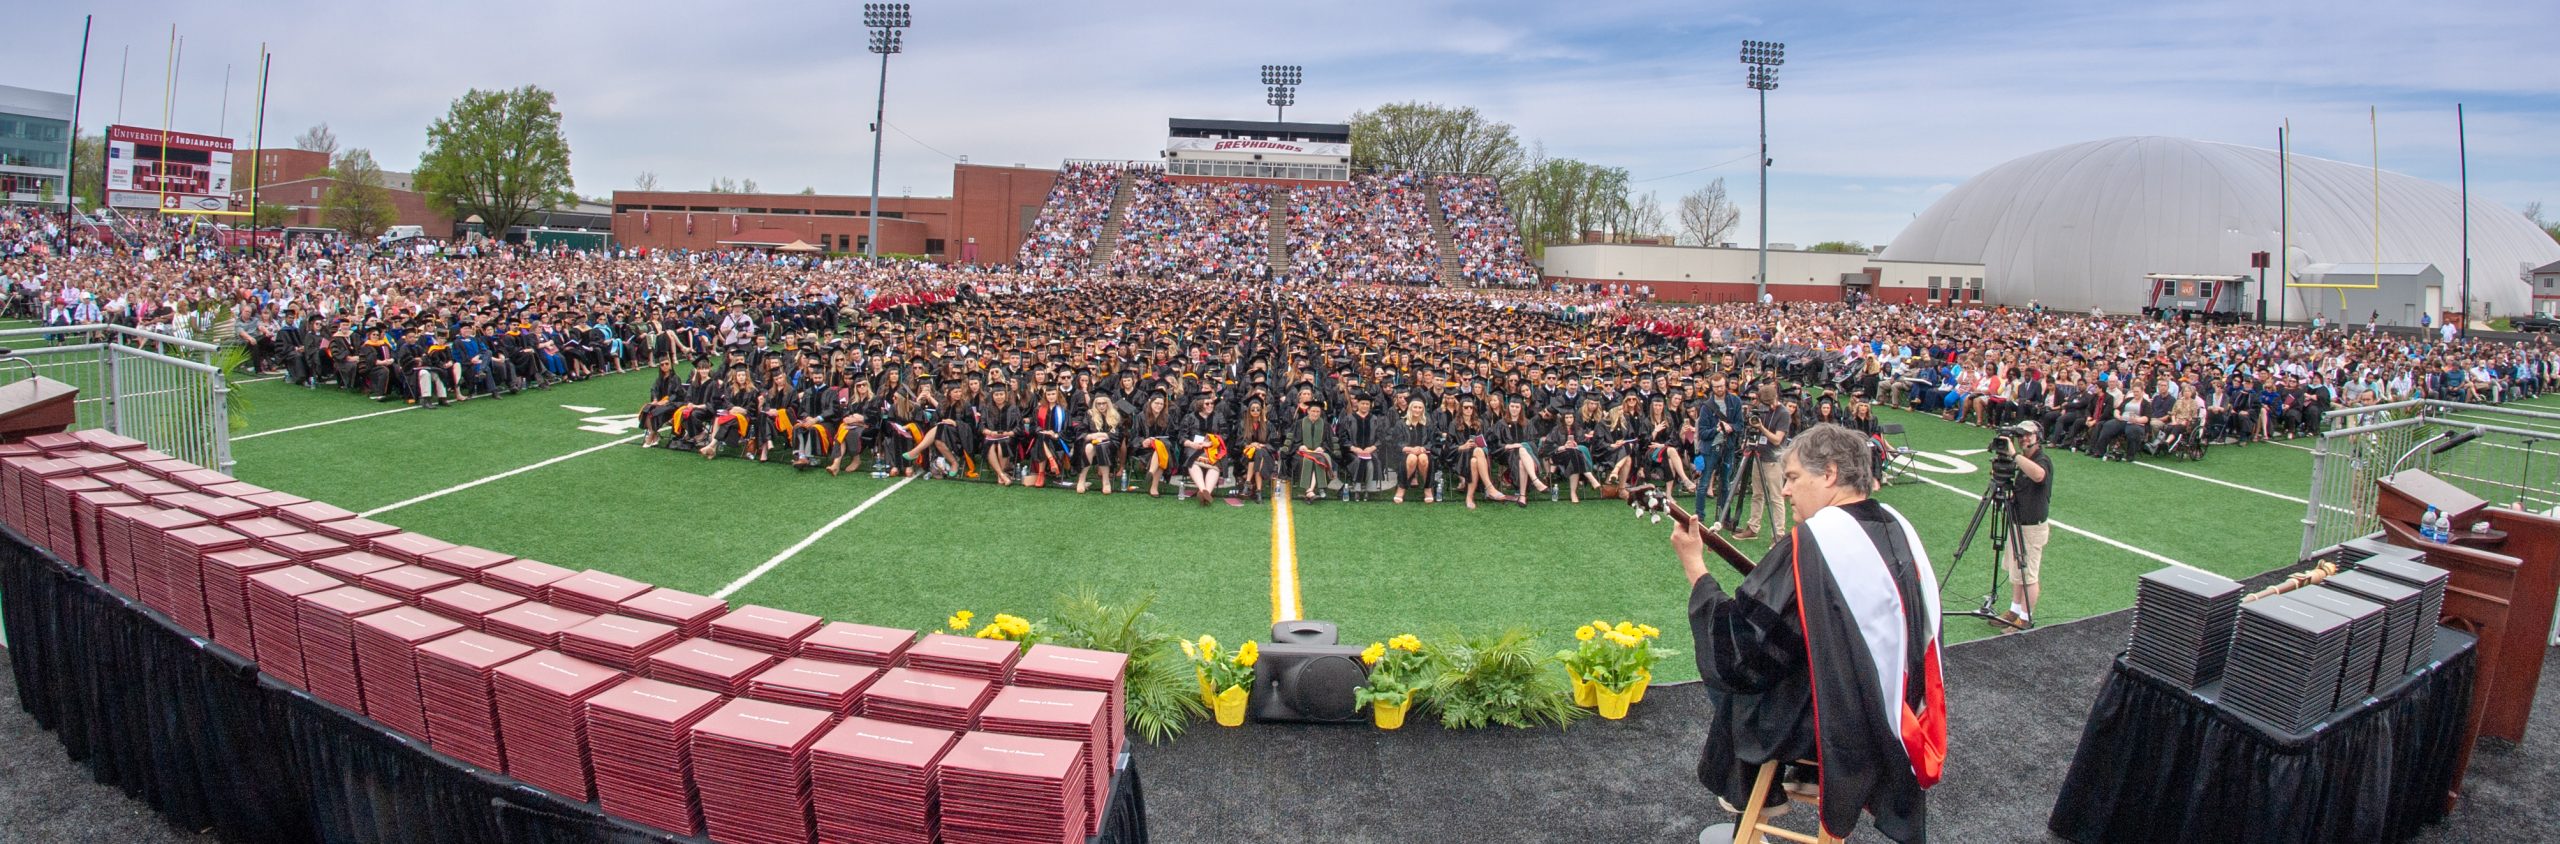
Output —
<point x="2533" y="211"/>
<point x="357" y="202"/>
<point x="499" y="155"/>
<point x="1839" y="246"/>
<point x="269" y="215"/>
<point x="89" y="175"/>
<point x="1434" y="138"/>
<point x="1555" y="200"/>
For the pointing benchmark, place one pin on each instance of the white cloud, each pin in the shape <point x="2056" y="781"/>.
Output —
<point x="1881" y="107"/>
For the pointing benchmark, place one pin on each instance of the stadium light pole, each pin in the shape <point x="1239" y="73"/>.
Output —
<point x="1763" y="57"/>
<point x="1280" y="81"/>
<point x="885" y="20"/>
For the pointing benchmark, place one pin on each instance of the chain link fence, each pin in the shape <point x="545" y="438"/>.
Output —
<point x="2506" y="456"/>
<point x="161" y="390"/>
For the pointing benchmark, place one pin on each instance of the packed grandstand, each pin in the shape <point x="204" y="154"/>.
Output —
<point x="1392" y="227"/>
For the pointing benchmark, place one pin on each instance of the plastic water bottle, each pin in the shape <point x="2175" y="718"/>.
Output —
<point x="2444" y="527"/>
<point x="2427" y="525"/>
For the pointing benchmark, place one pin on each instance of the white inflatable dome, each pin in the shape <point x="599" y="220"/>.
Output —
<point x="2080" y="225"/>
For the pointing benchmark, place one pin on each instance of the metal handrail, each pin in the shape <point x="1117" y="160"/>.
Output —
<point x="109" y="328"/>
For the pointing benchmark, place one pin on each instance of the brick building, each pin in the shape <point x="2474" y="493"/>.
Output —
<point x="983" y="220"/>
<point x="297" y="179"/>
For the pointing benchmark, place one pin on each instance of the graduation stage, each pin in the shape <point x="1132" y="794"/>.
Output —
<point x="2017" y="702"/>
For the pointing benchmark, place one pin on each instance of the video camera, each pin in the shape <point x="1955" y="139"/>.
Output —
<point x="2004" y="460"/>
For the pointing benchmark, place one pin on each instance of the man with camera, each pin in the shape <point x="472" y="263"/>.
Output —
<point x="1770" y="424"/>
<point x="2029" y="505"/>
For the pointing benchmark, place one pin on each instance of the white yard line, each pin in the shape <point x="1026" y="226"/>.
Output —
<point x="2241" y="487"/>
<point x="499" y="476"/>
<point x="2057" y="523"/>
<point x="256" y="380"/>
<point x="805" y="542"/>
<point x="252" y="436"/>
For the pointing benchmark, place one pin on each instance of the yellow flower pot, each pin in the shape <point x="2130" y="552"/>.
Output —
<point x="1389" y="716"/>
<point x="1208" y="696"/>
<point x="1613" y="704"/>
<point x="1644" y="680"/>
<point x="1583" y="690"/>
<point x="1230" y="706"/>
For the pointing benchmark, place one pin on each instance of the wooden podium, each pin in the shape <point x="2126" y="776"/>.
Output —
<point x="2503" y="585"/>
<point x="37" y="405"/>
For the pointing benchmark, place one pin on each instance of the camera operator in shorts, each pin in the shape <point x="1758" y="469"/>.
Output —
<point x="2030" y="505"/>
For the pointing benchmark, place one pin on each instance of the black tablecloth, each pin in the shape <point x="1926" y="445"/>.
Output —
<point x="2162" y="763"/>
<point x="194" y="730"/>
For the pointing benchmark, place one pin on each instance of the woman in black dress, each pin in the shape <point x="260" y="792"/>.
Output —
<point x="1097" y="438"/>
<point x="1417" y="436"/>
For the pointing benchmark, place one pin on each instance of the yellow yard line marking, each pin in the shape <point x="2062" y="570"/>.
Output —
<point x="1284" y="558"/>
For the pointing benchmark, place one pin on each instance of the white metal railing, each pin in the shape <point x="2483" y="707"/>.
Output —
<point x="163" y="390"/>
<point x="2360" y="446"/>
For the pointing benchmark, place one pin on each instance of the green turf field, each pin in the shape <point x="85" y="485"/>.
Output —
<point x="592" y="498"/>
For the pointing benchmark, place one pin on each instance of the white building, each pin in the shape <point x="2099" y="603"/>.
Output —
<point x="1727" y="274"/>
<point x="35" y="145"/>
<point x="2082" y="225"/>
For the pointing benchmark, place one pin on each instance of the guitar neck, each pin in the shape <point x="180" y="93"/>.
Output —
<point x="1715" y="539"/>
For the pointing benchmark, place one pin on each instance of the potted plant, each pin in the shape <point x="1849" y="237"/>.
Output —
<point x="1397" y="669"/>
<point x="1004" y="627"/>
<point x="1611" y="665"/>
<point x="1229" y="674"/>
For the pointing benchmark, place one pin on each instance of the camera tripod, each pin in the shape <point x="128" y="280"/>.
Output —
<point x="1993" y="507"/>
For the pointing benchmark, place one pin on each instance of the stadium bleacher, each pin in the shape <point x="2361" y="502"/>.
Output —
<point x="1490" y="251"/>
<point x="1374" y="230"/>
<point x="1401" y="228"/>
<point x="1062" y="241"/>
<point x="1194" y="230"/>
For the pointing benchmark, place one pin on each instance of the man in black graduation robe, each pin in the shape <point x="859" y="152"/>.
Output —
<point x="1827" y="650"/>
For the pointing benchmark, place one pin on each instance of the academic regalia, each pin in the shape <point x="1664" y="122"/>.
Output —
<point x="1789" y="660"/>
<point x="1310" y="443"/>
<point x="1053" y="432"/>
<point x="1359" y="431"/>
<point x="1427" y="434"/>
<point x="1154" y="441"/>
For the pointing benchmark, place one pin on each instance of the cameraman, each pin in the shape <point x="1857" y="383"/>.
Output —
<point x="2030" y="503"/>
<point x="1771" y="422"/>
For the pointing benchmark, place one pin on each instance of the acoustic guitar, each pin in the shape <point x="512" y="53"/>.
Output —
<point x="1647" y="498"/>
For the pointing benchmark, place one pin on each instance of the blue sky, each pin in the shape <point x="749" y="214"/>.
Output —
<point x="1881" y="106"/>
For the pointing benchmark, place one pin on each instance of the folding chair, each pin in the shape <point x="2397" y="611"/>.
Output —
<point x="1893" y="458"/>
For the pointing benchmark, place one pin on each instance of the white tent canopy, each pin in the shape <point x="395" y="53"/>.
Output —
<point x="2081" y="225"/>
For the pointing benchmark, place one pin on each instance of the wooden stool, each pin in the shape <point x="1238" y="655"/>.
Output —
<point x="1751" y="827"/>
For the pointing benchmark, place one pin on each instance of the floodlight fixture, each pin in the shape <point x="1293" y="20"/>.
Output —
<point x="886" y="16"/>
<point x="1280" y="83"/>
<point x="885" y="20"/>
<point x="1764" y="57"/>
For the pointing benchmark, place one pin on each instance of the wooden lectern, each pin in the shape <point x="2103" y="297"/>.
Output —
<point x="2502" y="591"/>
<point x="37" y="405"/>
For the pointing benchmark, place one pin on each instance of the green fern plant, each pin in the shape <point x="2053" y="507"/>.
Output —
<point x="1505" y="678"/>
<point x="1163" y="694"/>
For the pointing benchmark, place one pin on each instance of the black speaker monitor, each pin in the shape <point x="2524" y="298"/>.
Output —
<point x="1297" y="682"/>
<point x="1302" y="632"/>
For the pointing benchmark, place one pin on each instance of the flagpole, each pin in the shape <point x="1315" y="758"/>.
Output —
<point x="2462" y="150"/>
<point x="257" y="156"/>
<point x="79" y="86"/>
<point x="2284" y="220"/>
<point x="168" y="85"/>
